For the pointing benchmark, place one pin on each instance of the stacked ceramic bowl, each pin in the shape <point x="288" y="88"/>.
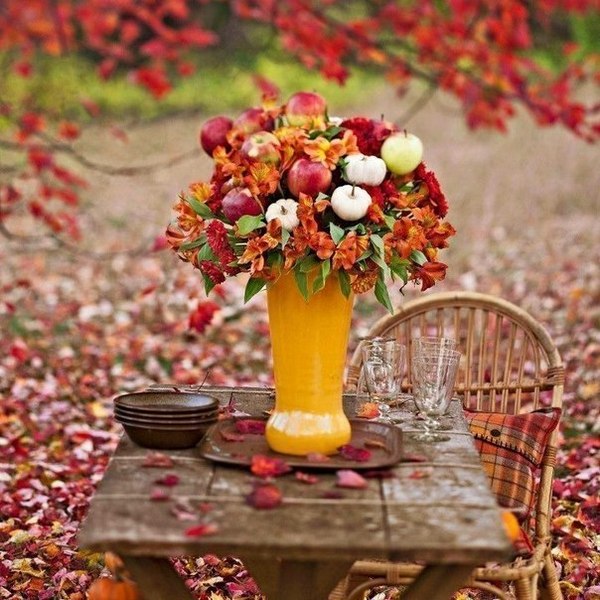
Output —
<point x="166" y="420"/>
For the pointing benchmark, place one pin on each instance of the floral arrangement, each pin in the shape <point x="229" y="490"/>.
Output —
<point x="294" y="189"/>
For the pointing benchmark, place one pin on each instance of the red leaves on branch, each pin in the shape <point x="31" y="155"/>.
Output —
<point x="266" y="466"/>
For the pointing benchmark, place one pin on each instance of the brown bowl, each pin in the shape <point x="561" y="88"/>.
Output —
<point x="165" y="423"/>
<point x="165" y="439"/>
<point x="157" y="402"/>
<point x="165" y="416"/>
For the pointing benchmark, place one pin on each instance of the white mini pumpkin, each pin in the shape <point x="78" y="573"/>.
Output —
<point x="361" y="169"/>
<point x="284" y="210"/>
<point x="350" y="202"/>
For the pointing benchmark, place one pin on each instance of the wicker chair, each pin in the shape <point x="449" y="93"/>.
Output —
<point x="510" y="365"/>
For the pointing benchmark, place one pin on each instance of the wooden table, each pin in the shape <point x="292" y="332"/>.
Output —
<point x="440" y="511"/>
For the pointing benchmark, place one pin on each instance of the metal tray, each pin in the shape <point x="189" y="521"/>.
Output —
<point x="384" y="442"/>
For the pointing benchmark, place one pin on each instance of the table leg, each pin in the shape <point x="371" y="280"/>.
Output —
<point x="438" y="582"/>
<point x="156" y="578"/>
<point x="296" y="580"/>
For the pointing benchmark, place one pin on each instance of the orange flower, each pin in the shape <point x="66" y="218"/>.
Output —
<point x="258" y="246"/>
<point x="349" y="250"/>
<point x="188" y="220"/>
<point x="262" y="179"/>
<point x="322" y="244"/>
<point x="438" y="236"/>
<point x="201" y="191"/>
<point x="306" y="214"/>
<point x="405" y="237"/>
<point x="329" y="152"/>
<point x="429" y="273"/>
<point x="363" y="282"/>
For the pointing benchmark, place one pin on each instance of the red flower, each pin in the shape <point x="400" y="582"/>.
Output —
<point x="370" y="134"/>
<point x="436" y="197"/>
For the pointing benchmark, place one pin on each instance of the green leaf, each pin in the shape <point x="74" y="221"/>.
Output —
<point x="321" y="278"/>
<point x="275" y="259"/>
<point x="200" y="208"/>
<point x="377" y="244"/>
<point x="285" y="236"/>
<point x="308" y="263"/>
<point x="337" y="233"/>
<point x="206" y="253"/>
<point x="249" y="223"/>
<point x="328" y="134"/>
<point x="191" y="245"/>
<point x="253" y="286"/>
<point x="344" y="279"/>
<point x="399" y="267"/>
<point x="389" y="221"/>
<point x="301" y="281"/>
<point x="418" y="257"/>
<point x="381" y="293"/>
<point x="208" y="283"/>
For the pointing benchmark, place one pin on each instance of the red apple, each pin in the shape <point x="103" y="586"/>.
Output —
<point x="239" y="202"/>
<point x="304" y="108"/>
<point x="253" y="120"/>
<point x="214" y="133"/>
<point x="262" y="146"/>
<point x="308" y="177"/>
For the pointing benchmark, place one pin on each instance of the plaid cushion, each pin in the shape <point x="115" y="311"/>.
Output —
<point x="511" y="448"/>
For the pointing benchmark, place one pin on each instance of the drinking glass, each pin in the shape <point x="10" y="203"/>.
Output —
<point x="434" y="347"/>
<point x="382" y="370"/>
<point x="433" y="381"/>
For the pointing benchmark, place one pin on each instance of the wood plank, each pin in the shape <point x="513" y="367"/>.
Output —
<point x="156" y="578"/>
<point x="447" y="533"/>
<point x="438" y="582"/>
<point x="294" y="580"/>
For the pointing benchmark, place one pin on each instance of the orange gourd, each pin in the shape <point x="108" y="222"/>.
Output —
<point x="113" y="589"/>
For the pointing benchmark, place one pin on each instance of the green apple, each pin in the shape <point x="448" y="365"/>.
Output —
<point x="402" y="152"/>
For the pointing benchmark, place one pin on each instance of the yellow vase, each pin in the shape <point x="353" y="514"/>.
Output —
<point x="309" y="344"/>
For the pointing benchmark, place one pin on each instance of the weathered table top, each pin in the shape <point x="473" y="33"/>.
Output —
<point x="440" y="510"/>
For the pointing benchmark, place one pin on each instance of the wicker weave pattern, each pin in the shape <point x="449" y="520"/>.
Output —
<point x="509" y="365"/>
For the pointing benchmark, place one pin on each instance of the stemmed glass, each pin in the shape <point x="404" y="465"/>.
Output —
<point x="382" y="370"/>
<point x="433" y="378"/>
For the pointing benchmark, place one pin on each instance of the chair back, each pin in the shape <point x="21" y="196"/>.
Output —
<point x="509" y="362"/>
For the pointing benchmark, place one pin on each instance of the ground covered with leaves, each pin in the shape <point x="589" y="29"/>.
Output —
<point x="73" y="338"/>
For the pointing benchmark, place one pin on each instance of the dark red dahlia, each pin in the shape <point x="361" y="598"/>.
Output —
<point x="436" y="197"/>
<point x="370" y="134"/>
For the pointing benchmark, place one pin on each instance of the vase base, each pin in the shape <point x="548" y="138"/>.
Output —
<point x="300" y="433"/>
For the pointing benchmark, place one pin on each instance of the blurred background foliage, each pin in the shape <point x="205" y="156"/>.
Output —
<point x="245" y="49"/>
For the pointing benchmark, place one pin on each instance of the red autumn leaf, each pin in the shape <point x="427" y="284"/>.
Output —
<point x="317" y="457"/>
<point x="367" y="410"/>
<point x="266" y="466"/>
<point x="205" y="507"/>
<point x="158" y="460"/>
<point x="350" y="479"/>
<point x="68" y="131"/>
<point x="183" y="510"/>
<point x="201" y="530"/>
<point x="350" y="452"/>
<point x="168" y="480"/>
<point x="159" y="495"/>
<point x="231" y="436"/>
<point x="419" y="474"/>
<point x="306" y="477"/>
<point x="202" y="316"/>
<point x="265" y="496"/>
<point x="414" y="458"/>
<point x="251" y="426"/>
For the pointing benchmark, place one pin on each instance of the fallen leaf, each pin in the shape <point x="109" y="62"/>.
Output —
<point x="201" y="530"/>
<point x="317" y="457"/>
<point x="232" y="436"/>
<point x="252" y="426"/>
<point x="266" y="466"/>
<point x="168" y="480"/>
<point x="306" y="477"/>
<point x="157" y="460"/>
<point x="265" y="496"/>
<point x="350" y="452"/>
<point x="367" y="410"/>
<point x="347" y="478"/>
